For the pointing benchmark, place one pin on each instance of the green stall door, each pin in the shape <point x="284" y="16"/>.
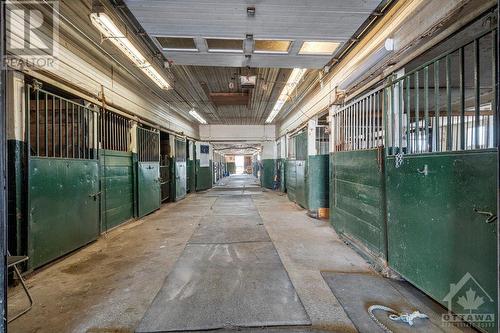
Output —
<point x="357" y="208"/>
<point x="180" y="180"/>
<point x="148" y="187"/>
<point x="291" y="179"/>
<point x="282" y="172"/>
<point x="301" y="190"/>
<point x="190" y="176"/>
<point x="231" y="167"/>
<point x="317" y="181"/>
<point x="442" y="228"/>
<point x="268" y="173"/>
<point x="180" y="169"/>
<point x="148" y="171"/>
<point x="203" y="176"/>
<point x="165" y="178"/>
<point x="63" y="207"/>
<point x="117" y="179"/>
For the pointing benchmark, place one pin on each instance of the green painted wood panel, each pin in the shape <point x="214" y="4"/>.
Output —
<point x="268" y="173"/>
<point x="435" y="236"/>
<point x="291" y="179"/>
<point x="63" y="214"/>
<point x="17" y="197"/>
<point x="148" y="187"/>
<point x="358" y="202"/>
<point x="300" y="172"/>
<point x="231" y="167"/>
<point x="190" y="176"/>
<point x="117" y="188"/>
<point x="318" y="180"/>
<point x="282" y="169"/>
<point x="203" y="177"/>
<point x="302" y="184"/>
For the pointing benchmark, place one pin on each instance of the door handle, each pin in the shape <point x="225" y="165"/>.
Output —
<point x="490" y="216"/>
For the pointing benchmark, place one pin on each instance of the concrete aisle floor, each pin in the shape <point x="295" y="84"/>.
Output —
<point x="109" y="285"/>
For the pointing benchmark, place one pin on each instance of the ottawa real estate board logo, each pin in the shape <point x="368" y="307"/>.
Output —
<point x="31" y="33"/>
<point x="469" y="302"/>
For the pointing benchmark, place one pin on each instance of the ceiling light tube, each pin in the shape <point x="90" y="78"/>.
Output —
<point x="291" y="84"/>
<point x="197" y="117"/>
<point x="110" y="31"/>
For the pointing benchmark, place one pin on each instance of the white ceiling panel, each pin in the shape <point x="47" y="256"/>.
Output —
<point x="295" y="20"/>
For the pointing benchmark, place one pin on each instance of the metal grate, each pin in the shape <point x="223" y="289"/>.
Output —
<point x="114" y="131"/>
<point x="148" y="145"/>
<point x="59" y="127"/>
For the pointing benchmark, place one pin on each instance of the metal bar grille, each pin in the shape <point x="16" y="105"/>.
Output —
<point x="53" y="126"/>
<point x="148" y="145"/>
<point x="358" y="124"/>
<point x="180" y="150"/>
<point x="291" y="148"/>
<point x="447" y="104"/>
<point x="322" y="140"/>
<point x="114" y="131"/>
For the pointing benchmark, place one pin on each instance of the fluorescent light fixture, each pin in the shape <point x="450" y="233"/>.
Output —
<point x="318" y="48"/>
<point x="197" y="116"/>
<point x="290" y="85"/>
<point x="110" y="31"/>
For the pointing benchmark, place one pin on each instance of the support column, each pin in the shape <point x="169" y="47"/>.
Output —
<point x="3" y="177"/>
<point x="317" y="174"/>
<point x="133" y="138"/>
<point x="268" y="164"/>
<point x="17" y="159"/>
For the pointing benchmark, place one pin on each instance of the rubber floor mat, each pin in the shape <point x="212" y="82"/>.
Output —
<point x="225" y="285"/>
<point x="356" y="292"/>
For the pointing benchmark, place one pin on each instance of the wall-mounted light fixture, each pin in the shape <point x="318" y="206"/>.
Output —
<point x="110" y="31"/>
<point x="290" y="85"/>
<point x="197" y="117"/>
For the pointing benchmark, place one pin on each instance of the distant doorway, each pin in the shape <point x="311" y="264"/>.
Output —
<point x="240" y="164"/>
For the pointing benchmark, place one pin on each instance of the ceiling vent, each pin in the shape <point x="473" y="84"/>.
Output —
<point x="251" y="11"/>
<point x="220" y="99"/>
<point x="248" y="82"/>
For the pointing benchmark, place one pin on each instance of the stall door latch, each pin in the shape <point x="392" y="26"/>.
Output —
<point x="490" y="217"/>
<point x="95" y="195"/>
